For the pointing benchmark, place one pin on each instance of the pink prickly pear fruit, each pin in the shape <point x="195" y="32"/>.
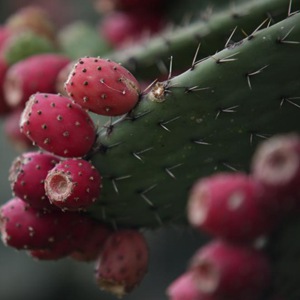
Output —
<point x="231" y="271"/>
<point x="228" y="205"/>
<point x="5" y="109"/>
<point x="83" y="241"/>
<point x="56" y="124"/>
<point x="27" y="175"/>
<point x="123" y="28"/>
<point x="123" y="262"/>
<point x="5" y="34"/>
<point x="56" y="251"/>
<point x="276" y="164"/>
<point x="102" y="86"/>
<point x="185" y="288"/>
<point x="12" y="132"/>
<point x="73" y="184"/>
<point x="36" y="73"/>
<point x="24" y="227"/>
<point x="89" y="248"/>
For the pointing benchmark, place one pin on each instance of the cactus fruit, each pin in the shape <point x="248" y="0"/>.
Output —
<point x="124" y="28"/>
<point x="4" y="107"/>
<point x="184" y="288"/>
<point x="36" y="73"/>
<point x="102" y="86"/>
<point x="123" y="262"/>
<point x="234" y="271"/>
<point x="73" y="184"/>
<point x="229" y="206"/>
<point x="83" y="242"/>
<point x="27" y="176"/>
<point x="276" y="165"/>
<point x="5" y="33"/>
<point x="56" y="124"/>
<point x="92" y="236"/>
<point x="124" y="23"/>
<point x="24" y="227"/>
<point x="56" y="251"/>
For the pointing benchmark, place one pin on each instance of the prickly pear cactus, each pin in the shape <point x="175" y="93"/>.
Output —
<point x="214" y="88"/>
<point x="204" y="120"/>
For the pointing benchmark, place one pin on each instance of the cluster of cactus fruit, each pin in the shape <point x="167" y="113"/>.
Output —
<point x="215" y="147"/>
<point x="53" y="187"/>
<point x="237" y="209"/>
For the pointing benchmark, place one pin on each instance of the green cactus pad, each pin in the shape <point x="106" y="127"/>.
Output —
<point x="208" y="119"/>
<point x="212" y="32"/>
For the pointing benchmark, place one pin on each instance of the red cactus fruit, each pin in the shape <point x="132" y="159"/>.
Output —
<point x="73" y="184"/>
<point x="27" y="175"/>
<point x="184" y="288"/>
<point x="276" y="164"/>
<point x="230" y="271"/>
<point x="123" y="262"/>
<point x="56" y="124"/>
<point x="5" y="109"/>
<point x="83" y="241"/>
<point x="121" y="29"/>
<point x="5" y="34"/>
<point x="36" y="73"/>
<point x="24" y="227"/>
<point x="228" y="205"/>
<point x="12" y="131"/>
<point x="89" y="246"/>
<point x="57" y="250"/>
<point x="102" y="86"/>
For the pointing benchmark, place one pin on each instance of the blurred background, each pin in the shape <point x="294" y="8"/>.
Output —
<point x="62" y="12"/>
<point x="21" y="277"/>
